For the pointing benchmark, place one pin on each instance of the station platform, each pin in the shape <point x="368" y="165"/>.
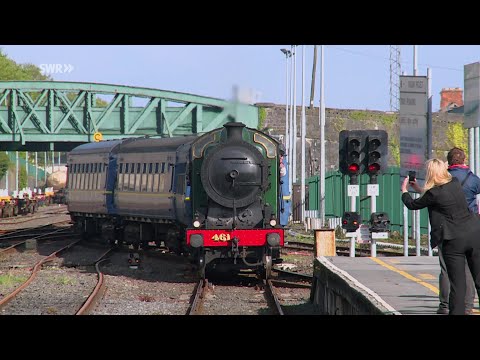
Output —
<point x="377" y="285"/>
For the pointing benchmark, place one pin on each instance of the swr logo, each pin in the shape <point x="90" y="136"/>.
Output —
<point x="56" y="68"/>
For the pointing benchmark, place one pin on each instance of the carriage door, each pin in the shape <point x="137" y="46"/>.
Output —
<point x="179" y="191"/>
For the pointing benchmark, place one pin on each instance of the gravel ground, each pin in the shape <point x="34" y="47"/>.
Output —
<point x="55" y="213"/>
<point x="242" y="297"/>
<point x="55" y="291"/>
<point x="161" y="285"/>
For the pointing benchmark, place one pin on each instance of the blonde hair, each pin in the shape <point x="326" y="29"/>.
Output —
<point x="437" y="174"/>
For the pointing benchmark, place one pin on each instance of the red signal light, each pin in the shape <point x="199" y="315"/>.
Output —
<point x="353" y="168"/>
<point x="373" y="168"/>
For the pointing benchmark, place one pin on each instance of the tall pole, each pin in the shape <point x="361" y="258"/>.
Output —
<point x="6" y="177"/>
<point x="286" y="141"/>
<point x="291" y="140"/>
<point x="36" y="169"/>
<point x="294" y="158"/>
<point x="429" y="139"/>
<point x="322" y="140"/>
<point x="53" y="161"/>
<point x="45" y="167"/>
<point x="414" y="60"/>
<point x="314" y="72"/>
<point x="26" y="165"/>
<point x="16" y="171"/>
<point x="304" y="125"/>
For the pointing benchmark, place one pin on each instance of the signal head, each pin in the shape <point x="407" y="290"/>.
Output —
<point x="379" y="222"/>
<point x="351" y="220"/>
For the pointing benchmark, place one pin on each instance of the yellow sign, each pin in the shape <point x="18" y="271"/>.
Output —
<point x="221" y="237"/>
<point x="97" y="137"/>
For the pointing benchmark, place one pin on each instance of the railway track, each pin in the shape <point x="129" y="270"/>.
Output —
<point x="344" y="250"/>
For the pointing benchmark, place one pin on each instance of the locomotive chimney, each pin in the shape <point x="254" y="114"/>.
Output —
<point x="234" y="131"/>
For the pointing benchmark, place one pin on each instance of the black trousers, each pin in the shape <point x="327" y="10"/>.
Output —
<point x="444" y="284"/>
<point x="454" y="253"/>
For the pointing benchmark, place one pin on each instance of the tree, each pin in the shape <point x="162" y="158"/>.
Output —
<point x="4" y="163"/>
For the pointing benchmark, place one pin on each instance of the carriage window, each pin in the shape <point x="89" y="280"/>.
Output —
<point x="131" y="184"/>
<point x="138" y="179"/>
<point x="89" y="176"/>
<point x="82" y="175"/>
<point x="95" y="177"/>
<point x="161" y="183"/>
<point x="144" y="178"/>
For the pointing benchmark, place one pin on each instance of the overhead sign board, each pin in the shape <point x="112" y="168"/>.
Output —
<point x="471" y="112"/>
<point x="413" y="125"/>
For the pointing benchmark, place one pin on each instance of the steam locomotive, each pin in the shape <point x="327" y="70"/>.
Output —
<point x="221" y="198"/>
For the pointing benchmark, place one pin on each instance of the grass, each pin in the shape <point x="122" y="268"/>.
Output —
<point x="10" y="280"/>
<point x="63" y="280"/>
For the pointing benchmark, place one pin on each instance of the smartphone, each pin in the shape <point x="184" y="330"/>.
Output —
<point x="411" y="176"/>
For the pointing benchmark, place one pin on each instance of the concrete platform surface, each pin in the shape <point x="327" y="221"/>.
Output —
<point x="408" y="284"/>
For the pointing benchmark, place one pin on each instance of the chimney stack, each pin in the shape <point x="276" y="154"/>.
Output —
<point x="451" y="98"/>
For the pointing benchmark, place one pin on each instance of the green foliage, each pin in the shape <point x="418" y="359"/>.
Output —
<point x="394" y="149"/>
<point x="387" y="119"/>
<point x="360" y="115"/>
<point x="262" y="115"/>
<point x="457" y="136"/>
<point x="22" y="178"/>
<point x="102" y="103"/>
<point x="4" y="163"/>
<point x="10" y="70"/>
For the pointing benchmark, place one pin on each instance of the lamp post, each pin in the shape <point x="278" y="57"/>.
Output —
<point x="287" y="53"/>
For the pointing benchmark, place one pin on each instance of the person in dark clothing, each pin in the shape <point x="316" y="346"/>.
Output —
<point x="471" y="182"/>
<point x="453" y="226"/>
<point x="471" y="187"/>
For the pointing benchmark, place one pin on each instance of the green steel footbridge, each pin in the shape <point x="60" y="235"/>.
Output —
<point x="58" y="116"/>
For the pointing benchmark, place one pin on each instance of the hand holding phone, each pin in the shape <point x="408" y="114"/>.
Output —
<point x="411" y="176"/>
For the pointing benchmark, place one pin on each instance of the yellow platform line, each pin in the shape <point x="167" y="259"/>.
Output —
<point x="407" y="275"/>
<point x="411" y="277"/>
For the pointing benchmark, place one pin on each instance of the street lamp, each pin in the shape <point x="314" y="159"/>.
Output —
<point x="287" y="54"/>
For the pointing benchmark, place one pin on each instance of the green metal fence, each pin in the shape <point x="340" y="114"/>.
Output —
<point x="31" y="167"/>
<point x="389" y="200"/>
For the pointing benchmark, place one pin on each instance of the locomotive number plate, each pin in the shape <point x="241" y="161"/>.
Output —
<point x="221" y="237"/>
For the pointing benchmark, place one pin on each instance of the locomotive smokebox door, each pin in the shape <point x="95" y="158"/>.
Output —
<point x="133" y="260"/>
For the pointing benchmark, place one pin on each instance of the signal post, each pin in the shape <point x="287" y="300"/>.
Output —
<point x="364" y="152"/>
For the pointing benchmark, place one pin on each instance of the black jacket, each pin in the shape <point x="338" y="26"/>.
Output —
<point x="448" y="212"/>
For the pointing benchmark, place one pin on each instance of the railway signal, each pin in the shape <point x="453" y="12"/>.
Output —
<point x="379" y="222"/>
<point x="351" y="155"/>
<point x="351" y="221"/>
<point x="377" y="152"/>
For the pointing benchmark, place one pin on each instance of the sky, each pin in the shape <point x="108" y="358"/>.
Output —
<point x="355" y="76"/>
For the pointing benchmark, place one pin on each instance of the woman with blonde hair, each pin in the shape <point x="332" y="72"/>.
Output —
<point x="452" y="225"/>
